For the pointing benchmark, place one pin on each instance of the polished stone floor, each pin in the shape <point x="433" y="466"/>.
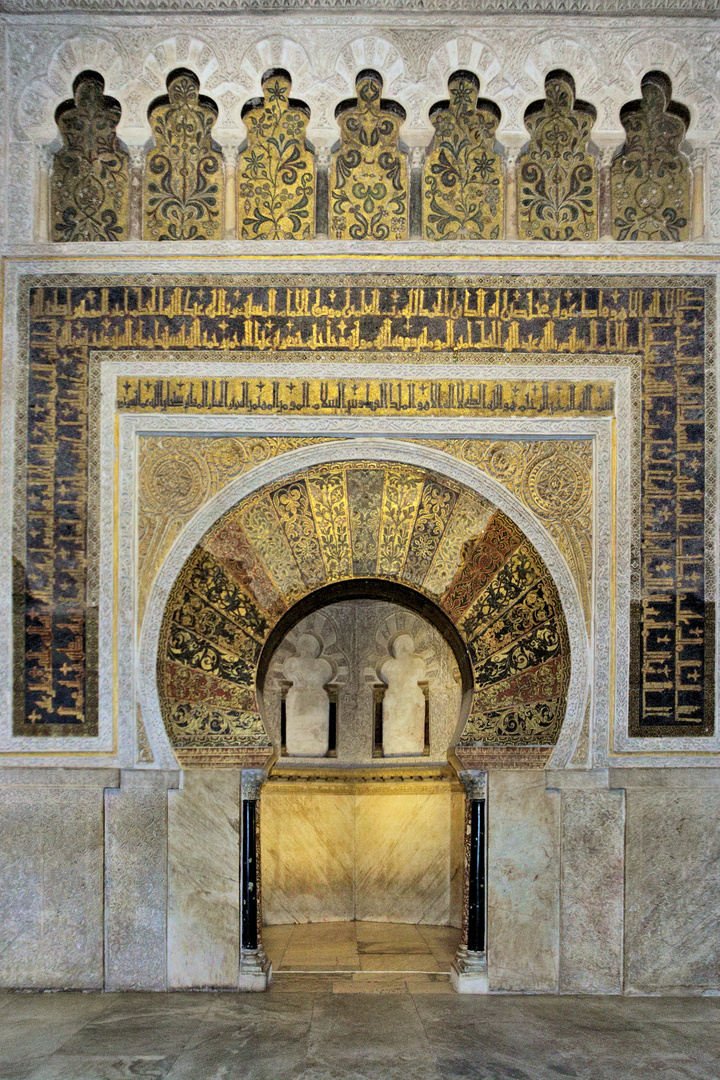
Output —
<point x="328" y="1036"/>
<point x="361" y="957"/>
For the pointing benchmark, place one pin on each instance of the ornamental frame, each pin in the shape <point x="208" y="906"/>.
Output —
<point x="615" y="746"/>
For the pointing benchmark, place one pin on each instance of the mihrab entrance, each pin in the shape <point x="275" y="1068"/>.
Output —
<point x="347" y="635"/>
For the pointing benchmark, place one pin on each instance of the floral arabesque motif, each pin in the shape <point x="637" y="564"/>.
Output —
<point x="463" y="185"/>
<point x="90" y="186"/>
<point x="183" y="186"/>
<point x="650" y="176"/>
<point x="368" y="173"/>
<point x="557" y="177"/>
<point x="276" y="170"/>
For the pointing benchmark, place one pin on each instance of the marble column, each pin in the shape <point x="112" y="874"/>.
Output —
<point x="255" y="968"/>
<point x="468" y="973"/>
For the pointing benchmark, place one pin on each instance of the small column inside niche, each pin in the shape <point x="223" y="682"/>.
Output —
<point x="42" y="217"/>
<point x="137" y="159"/>
<point x="417" y="161"/>
<point x="468" y="972"/>
<point x="604" y="162"/>
<point x="230" y="160"/>
<point x="322" y="172"/>
<point x="697" y="164"/>
<point x="512" y="152"/>
<point x="255" y="968"/>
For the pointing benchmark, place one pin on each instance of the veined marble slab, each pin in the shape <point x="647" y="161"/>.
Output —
<point x="204" y="880"/>
<point x="592" y="884"/>
<point x="523" y="881"/>
<point x="51" y="853"/>
<point x="672" y="873"/>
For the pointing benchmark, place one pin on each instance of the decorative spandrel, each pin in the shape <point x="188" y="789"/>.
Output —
<point x="90" y="184"/>
<point x="463" y="189"/>
<point x="368" y="173"/>
<point x="276" y="170"/>
<point x="557" y="176"/>
<point x="650" y="176"/>
<point x="183" y="185"/>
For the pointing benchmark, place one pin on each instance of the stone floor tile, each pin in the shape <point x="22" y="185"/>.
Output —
<point x="68" y="1067"/>
<point x="142" y="1024"/>
<point x="381" y="1027"/>
<point x="399" y="962"/>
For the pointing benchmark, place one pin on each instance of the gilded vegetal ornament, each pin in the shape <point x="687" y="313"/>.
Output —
<point x="183" y="187"/>
<point x="650" y="176"/>
<point x="463" y="175"/>
<point x="557" y="177"/>
<point x="368" y="173"/>
<point x="90" y="183"/>
<point x="388" y="521"/>
<point x="276" y="170"/>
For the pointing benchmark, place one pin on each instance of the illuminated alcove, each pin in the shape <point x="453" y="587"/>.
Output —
<point x="357" y="833"/>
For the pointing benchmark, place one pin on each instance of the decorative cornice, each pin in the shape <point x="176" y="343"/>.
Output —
<point x="667" y="8"/>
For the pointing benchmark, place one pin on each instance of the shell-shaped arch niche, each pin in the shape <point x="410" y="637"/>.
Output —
<point x="377" y="522"/>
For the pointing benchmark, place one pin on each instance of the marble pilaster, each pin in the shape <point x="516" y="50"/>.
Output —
<point x="51" y="852"/>
<point x="204" y="880"/>
<point x="523" y="881"/>
<point x="672" y="918"/>
<point x="136" y="881"/>
<point x="591" y="891"/>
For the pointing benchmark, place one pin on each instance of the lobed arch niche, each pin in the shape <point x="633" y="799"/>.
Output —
<point x="446" y="535"/>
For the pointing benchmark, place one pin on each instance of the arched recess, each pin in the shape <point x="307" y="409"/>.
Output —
<point x="290" y="527"/>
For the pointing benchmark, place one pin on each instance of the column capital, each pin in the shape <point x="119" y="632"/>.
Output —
<point x="474" y="781"/>
<point x="251" y="783"/>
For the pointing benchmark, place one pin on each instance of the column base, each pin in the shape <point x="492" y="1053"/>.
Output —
<point x="468" y="972"/>
<point x="255" y="970"/>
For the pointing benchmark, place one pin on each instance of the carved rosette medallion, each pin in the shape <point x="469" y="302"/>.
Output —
<point x="368" y="172"/>
<point x="650" y="176"/>
<point x="276" y="170"/>
<point x="183" y="184"/>
<point x="463" y="185"/>
<point x="557" y="177"/>
<point x="90" y="184"/>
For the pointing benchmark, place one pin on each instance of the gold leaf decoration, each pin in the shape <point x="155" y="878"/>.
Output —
<point x="463" y="184"/>
<point x="650" y="176"/>
<point x="368" y="173"/>
<point x="276" y="170"/>
<point x="90" y="184"/>
<point x="183" y="186"/>
<point x="557" y="176"/>
<point x="448" y="544"/>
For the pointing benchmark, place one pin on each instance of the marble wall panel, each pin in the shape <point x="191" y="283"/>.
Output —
<point x="672" y="916"/>
<point x="307" y="855"/>
<point x="389" y="853"/>
<point x="591" y="891"/>
<point x="51" y="850"/>
<point x="523" y="881"/>
<point x="204" y="880"/>
<point x="136" y="881"/>
<point x="402" y="851"/>
<point x="457" y="856"/>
